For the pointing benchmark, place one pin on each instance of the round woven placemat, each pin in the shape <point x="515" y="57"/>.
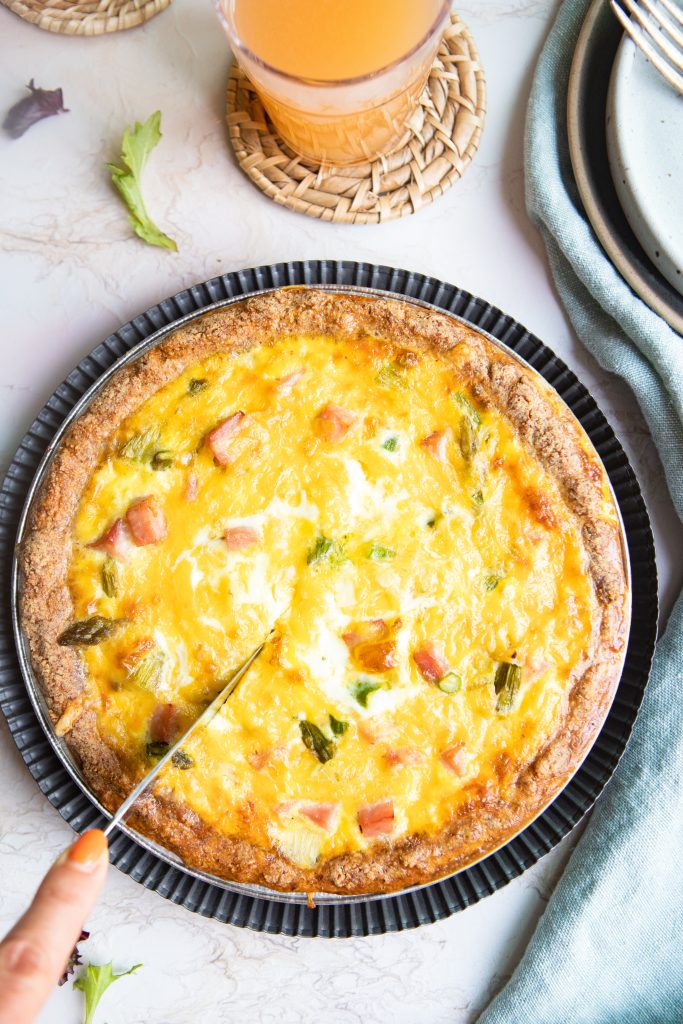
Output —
<point x="443" y="136"/>
<point x="86" y="19"/>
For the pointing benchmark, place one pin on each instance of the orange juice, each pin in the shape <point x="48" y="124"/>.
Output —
<point x="331" y="40"/>
<point x="339" y="78"/>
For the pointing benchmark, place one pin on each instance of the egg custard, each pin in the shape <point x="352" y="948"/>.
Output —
<point x="419" y="525"/>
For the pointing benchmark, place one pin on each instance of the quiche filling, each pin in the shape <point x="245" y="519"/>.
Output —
<point x="427" y="587"/>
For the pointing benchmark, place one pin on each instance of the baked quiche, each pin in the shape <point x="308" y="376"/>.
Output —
<point x="417" y="524"/>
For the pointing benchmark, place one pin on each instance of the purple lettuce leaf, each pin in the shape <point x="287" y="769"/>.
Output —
<point x="33" y="108"/>
<point x="74" y="960"/>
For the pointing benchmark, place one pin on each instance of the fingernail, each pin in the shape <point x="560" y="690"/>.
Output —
<point x="88" y="851"/>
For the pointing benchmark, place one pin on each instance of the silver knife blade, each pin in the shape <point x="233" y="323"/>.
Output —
<point x="207" y="714"/>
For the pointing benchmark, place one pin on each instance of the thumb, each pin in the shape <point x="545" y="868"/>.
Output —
<point x="34" y="953"/>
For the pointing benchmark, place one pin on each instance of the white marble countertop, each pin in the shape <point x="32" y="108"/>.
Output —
<point x="71" y="274"/>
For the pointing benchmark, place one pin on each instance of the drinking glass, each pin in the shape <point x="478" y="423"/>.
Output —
<point x="351" y="118"/>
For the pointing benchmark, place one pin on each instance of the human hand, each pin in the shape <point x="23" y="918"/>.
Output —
<point x="34" y="953"/>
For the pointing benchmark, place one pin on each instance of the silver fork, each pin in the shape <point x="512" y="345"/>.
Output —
<point x="656" y="27"/>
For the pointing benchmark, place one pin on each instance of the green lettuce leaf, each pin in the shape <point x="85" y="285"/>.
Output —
<point x="94" y="983"/>
<point x="136" y="146"/>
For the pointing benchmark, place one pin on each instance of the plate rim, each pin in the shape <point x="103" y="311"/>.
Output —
<point x="599" y="222"/>
<point x="413" y="287"/>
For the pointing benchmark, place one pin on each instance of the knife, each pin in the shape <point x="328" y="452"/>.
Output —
<point x="207" y="714"/>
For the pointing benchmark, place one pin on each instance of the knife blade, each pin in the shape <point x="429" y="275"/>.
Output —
<point x="207" y="714"/>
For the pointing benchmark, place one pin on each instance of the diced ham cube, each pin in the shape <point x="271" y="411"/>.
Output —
<point x="285" y="384"/>
<point x="456" y="758"/>
<point x="436" y="443"/>
<point x="115" y="541"/>
<point x="351" y="638"/>
<point x="362" y="632"/>
<point x="377" y="657"/>
<point x="334" y="422"/>
<point x="324" y="815"/>
<point x="219" y="440"/>
<point x="191" y="488"/>
<point x="164" y="723"/>
<point x="146" y="521"/>
<point x="535" y="667"/>
<point x="374" y="730"/>
<point x="240" y="537"/>
<point x="286" y="808"/>
<point x="377" y="819"/>
<point x="402" y="756"/>
<point x="431" y="662"/>
<point x="258" y="759"/>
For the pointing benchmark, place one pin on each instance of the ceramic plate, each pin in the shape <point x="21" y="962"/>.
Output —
<point x="589" y="79"/>
<point x="645" y="149"/>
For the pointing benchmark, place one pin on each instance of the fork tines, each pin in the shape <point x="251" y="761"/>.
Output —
<point x="656" y="27"/>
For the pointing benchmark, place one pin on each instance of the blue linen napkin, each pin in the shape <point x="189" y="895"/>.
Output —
<point x="609" y="947"/>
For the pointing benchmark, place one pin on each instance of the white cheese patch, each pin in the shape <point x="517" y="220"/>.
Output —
<point x="424" y="515"/>
<point x="402" y="446"/>
<point x="176" y="663"/>
<point x="222" y="724"/>
<point x="318" y="652"/>
<point x="279" y="509"/>
<point x="206" y="620"/>
<point x="371" y="508"/>
<point x="388" y="698"/>
<point x="252" y="583"/>
<point x="196" y="574"/>
<point x="205" y="539"/>
<point x="366" y="500"/>
<point x="324" y="659"/>
<point x="205" y="536"/>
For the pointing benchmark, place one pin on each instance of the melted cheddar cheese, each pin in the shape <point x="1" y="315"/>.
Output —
<point x="462" y="546"/>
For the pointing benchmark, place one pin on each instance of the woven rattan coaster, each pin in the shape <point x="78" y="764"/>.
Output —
<point x="444" y="136"/>
<point x="86" y="19"/>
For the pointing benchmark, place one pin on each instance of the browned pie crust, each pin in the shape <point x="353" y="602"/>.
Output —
<point x="542" y="423"/>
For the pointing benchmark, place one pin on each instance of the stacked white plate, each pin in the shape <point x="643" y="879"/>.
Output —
<point x="645" y="149"/>
<point x="625" y="132"/>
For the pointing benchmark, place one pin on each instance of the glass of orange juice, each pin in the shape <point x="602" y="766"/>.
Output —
<point x="339" y="78"/>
